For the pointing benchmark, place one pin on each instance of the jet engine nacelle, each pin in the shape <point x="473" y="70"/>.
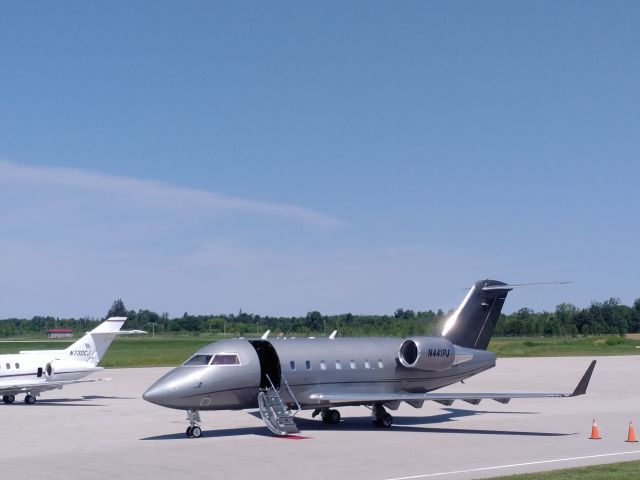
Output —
<point x="432" y="354"/>
<point x="58" y="368"/>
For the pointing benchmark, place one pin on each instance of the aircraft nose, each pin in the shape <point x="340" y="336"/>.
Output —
<point x="156" y="393"/>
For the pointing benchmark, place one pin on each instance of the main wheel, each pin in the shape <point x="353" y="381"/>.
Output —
<point x="30" y="399"/>
<point x="196" y="432"/>
<point x="11" y="398"/>
<point x="386" y="420"/>
<point x="334" y="416"/>
<point x="189" y="432"/>
<point x="330" y="416"/>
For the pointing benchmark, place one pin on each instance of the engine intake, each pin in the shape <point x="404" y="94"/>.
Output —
<point x="432" y="354"/>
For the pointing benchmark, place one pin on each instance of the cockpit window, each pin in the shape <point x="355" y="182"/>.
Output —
<point x="199" y="360"/>
<point x="226" y="359"/>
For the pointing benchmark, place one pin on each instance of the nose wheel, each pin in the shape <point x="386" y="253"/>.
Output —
<point x="193" y="430"/>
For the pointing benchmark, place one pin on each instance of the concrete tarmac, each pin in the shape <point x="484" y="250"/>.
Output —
<point x="105" y="430"/>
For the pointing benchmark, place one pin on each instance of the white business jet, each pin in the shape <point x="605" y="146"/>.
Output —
<point x="36" y="371"/>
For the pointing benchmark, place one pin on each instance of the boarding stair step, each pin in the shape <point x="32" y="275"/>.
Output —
<point x="275" y="413"/>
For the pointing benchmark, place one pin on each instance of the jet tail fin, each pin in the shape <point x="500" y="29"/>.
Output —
<point x="93" y="345"/>
<point x="473" y="322"/>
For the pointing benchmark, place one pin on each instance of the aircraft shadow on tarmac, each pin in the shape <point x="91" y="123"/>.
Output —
<point x="97" y="397"/>
<point x="60" y="403"/>
<point x="223" y="432"/>
<point x="401" y="424"/>
<point x="84" y="401"/>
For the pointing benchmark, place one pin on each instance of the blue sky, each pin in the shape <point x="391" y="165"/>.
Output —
<point x="285" y="157"/>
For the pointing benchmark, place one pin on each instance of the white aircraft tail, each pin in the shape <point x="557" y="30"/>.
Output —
<point x="92" y="347"/>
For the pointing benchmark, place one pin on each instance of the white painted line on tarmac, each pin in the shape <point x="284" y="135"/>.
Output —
<point x="498" y="467"/>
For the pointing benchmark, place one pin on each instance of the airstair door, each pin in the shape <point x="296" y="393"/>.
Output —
<point x="269" y="363"/>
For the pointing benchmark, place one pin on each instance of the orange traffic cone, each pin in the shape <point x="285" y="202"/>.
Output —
<point x="595" y="434"/>
<point x="631" y="436"/>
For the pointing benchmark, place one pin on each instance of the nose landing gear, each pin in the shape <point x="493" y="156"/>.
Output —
<point x="193" y="430"/>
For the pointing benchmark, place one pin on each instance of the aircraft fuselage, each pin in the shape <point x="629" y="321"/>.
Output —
<point x="309" y="366"/>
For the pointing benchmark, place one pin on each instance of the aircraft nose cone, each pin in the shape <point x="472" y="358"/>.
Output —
<point x="156" y="393"/>
<point x="175" y="388"/>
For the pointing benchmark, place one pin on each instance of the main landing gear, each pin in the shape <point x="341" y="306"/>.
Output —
<point x="380" y="416"/>
<point x="328" y="415"/>
<point x="28" y="399"/>
<point x="193" y="430"/>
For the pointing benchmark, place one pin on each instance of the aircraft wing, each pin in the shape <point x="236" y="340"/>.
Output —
<point x="37" y="387"/>
<point x="416" y="399"/>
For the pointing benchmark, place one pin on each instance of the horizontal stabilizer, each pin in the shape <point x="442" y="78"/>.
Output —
<point x="518" y="285"/>
<point x="111" y="324"/>
<point x="119" y="332"/>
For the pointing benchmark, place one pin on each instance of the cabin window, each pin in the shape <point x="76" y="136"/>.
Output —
<point x="380" y="364"/>
<point x="17" y="366"/>
<point x="198" y="360"/>
<point x="323" y="366"/>
<point x="367" y="364"/>
<point x="338" y="365"/>
<point x="352" y="364"/>
<point x="307" y="364"/>
<point x="292" y="364"/>
<point x="226" y="359"/>
<point x="8" y="366"/>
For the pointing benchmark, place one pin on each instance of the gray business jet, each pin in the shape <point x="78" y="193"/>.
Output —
<point x="283" y="376"/>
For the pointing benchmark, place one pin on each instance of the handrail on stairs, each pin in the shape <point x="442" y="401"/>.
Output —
<point x="286" y="384"/>
<point x="289" y="391"/>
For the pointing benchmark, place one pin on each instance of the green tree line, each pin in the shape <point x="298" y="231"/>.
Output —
<point x="609" y="317"/>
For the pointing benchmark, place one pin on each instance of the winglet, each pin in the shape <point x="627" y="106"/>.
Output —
<point x="265" y="335"/>
<point x="581" y="388"/>
<point x="333" y="335"/>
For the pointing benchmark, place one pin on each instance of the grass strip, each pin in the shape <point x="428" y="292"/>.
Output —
<point x="609" y="471"/>
<point x="170" y="350"/>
